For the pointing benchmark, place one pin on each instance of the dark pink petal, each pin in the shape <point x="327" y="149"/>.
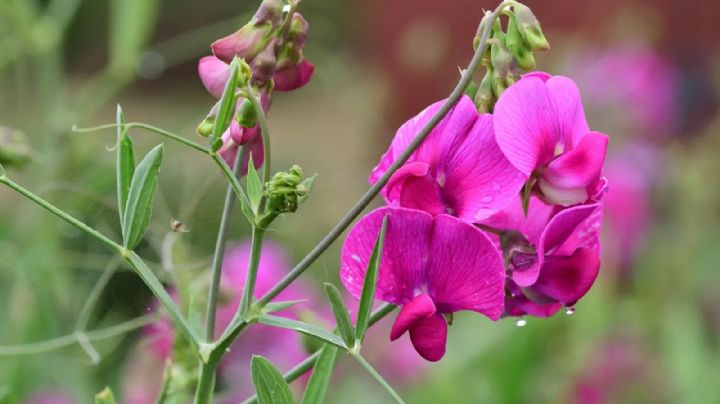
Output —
<point x="418" y="308"/>
<point x="479" y="180"/>
<point x="406" y="247"/>
<point x="230" y="149"/>
<point x="513" y="218"/>
<point x="539" y="74"/>
<point x="293" y="77"/>
<point x="526" y="125"/>
<point x="567" y="279"/>
<point x="439" y="143"/>
<point x="214" y="74"/>
<point x="566" y="179"/>
<point x="521" y="305"/>
<point x="586" y="234"/>
<point x="422" y="193"/>
<point x="464" y="269"/>
<point x="570" y="112"/>
<point x="244" y="43"/>
<point x="429" y="336"/>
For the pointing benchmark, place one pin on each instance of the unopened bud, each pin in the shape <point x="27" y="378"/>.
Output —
<point x="206" y="126"/>
<point x="505" y="71"/>
<point x="246" y="115"/>
<point x="516" y="45"/>
<point x="287" y="190"/>
<point x="244" y="73"/>
<point x="264" y="64"/>
<point x="244" y="43"/>
<point x="529" y="28"/>
<point x="484" y="99"/>
<point x="14" y="149"/>
<point x="270" y="11"/>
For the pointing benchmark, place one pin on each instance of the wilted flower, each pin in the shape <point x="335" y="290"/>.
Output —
<point x="431" y="266"/>
<point x="458" y="170"/>
<point x="540" y="126"/>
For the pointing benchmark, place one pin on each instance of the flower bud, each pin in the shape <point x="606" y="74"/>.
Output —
<point x="206" y="126"/>
<point x="505" y="71"/>
<point x="293" y="77"/>
<point x="244" y="43"/>
<point x="516" y="45"/>
<point x="287" y="190"/>
<point x="529" y="28"/>
<point x="14" y="149"/>
<point x="270" y="11"/>
<point x="264" y="64"/>
<point x="298" y="31"/>
<point x="484" y="96"/>
<point x="246" y="114"/>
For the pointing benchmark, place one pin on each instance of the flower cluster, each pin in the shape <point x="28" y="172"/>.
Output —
<point x="271" y="45"/>
<point x="494" y="213"/>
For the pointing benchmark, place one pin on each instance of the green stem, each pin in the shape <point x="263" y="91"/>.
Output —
<point x="253" y="265"/>
<point x="264" y="132"/>
<point x="149" y="128"/>
<point x="235" y="184"/>
<point x="206" y="383"/>
<point x="129" y="256"/>
<point x="220" y="243"/>
<point x="377" y="377"/>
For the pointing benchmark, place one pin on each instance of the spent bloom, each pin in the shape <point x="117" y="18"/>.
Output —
<point x="459" y="169"/>
<point x="540" y="126"/>
<point x="431" y="266"/>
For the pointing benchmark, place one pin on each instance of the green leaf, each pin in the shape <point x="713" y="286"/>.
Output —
<point x="280" y="306"/>
<point x="125" y="162"/>
<point x="254" y="185"/>
<point x="379" y="378"/>
<point x="131" y="26"/>
<point x="227" y="106"/>
<point x="341" y="314"/>
<point x="315" y="390"/>
<point x="105" y="397"/>
<point x="139" y="203"/>
<point x="270" y="385"/>
<point x="369" y="284"/>
<point x="305" y="328"/>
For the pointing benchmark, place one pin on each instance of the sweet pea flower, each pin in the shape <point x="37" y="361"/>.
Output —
<point x="458" y="170"/>
<point x="553" y="254"/>
<point x="431" y="266"/>
<point x="50" y="397"/>
<point x="540" y="126"/>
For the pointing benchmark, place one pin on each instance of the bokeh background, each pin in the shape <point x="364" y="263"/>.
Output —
<point x="648" y="332"/>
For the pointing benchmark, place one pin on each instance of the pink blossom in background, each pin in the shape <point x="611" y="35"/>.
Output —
<point x="458" y="170"/>
<point x="540" y="126"/>
<point x="431" y="265"/>
<point x="634" y="79"/>
<point x="283" y="347"/>
<point x="50" y="397"/>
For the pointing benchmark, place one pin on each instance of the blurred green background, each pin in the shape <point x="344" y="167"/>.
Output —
<point x="648" y="332"/>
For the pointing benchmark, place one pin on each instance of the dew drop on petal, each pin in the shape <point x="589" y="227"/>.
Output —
<point x="570" y="310"/>
<point x="521" y="322"/>
<point x="356" y="257"/>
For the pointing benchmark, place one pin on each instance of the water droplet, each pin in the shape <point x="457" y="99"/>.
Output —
<point x="356" y="257"/>
<point x="521" y="322"/>
<point x="570" y="310"/>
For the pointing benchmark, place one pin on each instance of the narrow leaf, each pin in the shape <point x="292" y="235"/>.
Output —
<point x="369" y="284"/>
<point x="305" y="328"/>
<point x="279" y="306"/>
<point x="270" y="385"/>
<point x="320" y="378"/>
<point x="227" y="106"/>
<point x="131" y="26"/>
<point x="105" y="397"/>
<point x="254" y="185"/>
<point x="139" y="203"/>
<point x="341" y="314"/>
<point x="125" y="163"/>
<point x="379" y="378"/>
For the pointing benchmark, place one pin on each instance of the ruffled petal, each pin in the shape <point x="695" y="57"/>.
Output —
<point x="429" y="337"/>
<point x="464" y="269"/>
<point x="418" y="308"/>
<point x="526" y="125"/>
<point x="568" y="104"/>
<point x="405" y="250"/>
<point x="479" y="180"/>
<point x="214" y="74"/>
<point x="567" y="279"/>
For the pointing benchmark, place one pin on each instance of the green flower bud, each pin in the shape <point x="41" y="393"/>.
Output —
<point x="529" y="28"/>
<point x="246" y="115"/>
<point x="14" y="149"/>
<point x="206" y="126"/>
<point x="484" y="99"/>
<point x="517" y="46"/>
<point x="244" y="73"/>
<point x="287" y="190"/>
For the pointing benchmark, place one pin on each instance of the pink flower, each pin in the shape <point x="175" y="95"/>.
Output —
<point x="553" y="255"/>
<point x="458" y="170"/>
<point x="540" y="127"/>
<point x="294" y="76"/>
<point x="431" y="265"/>
<point x="214" y="73"/>
<point x="50" y="397"/>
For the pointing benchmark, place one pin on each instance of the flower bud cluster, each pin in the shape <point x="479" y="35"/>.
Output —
<point x="14" y="149"/>
<point x="287" y="190"/>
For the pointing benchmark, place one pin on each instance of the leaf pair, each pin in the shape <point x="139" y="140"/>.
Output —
<point x="135" y="185"/>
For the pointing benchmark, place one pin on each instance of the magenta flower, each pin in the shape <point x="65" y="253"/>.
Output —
<point x="553" y="255"/>
<point x="540" y="127"/>
<point x="458" y="170"/>
<point x="430" y="266"/>
<point x="293" y="77"/>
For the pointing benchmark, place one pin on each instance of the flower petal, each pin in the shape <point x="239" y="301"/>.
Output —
<point x="568" y="105"/>
<point x="429" y="336"/>
<point x="526" y="126"/>
<point x="480" y="181"/>
<point x="214" y="74"/>
<point x="567" y="279"/>
<point x="521" y="305"/>
<point x="293" y="77"/>
<point x="405" y="250"/>
<point x="418" y="308"/>
<point x="464" y="269"/>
